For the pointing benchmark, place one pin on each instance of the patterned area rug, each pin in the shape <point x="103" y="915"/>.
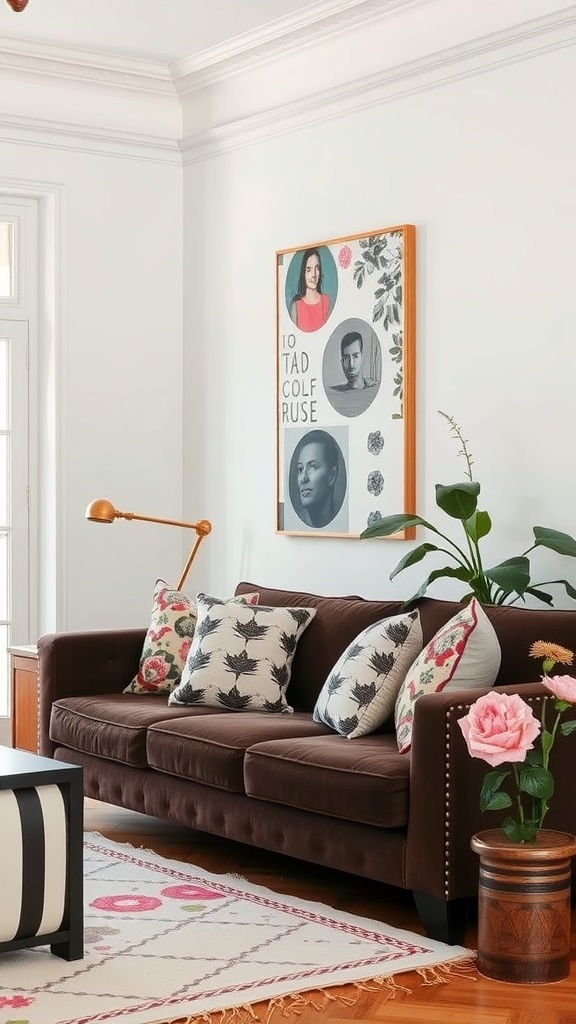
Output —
<point x="166" y="941"/>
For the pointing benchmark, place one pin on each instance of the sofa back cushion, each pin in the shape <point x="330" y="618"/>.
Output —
<point x="516" y="628"/>
<point x="337" y="622"/>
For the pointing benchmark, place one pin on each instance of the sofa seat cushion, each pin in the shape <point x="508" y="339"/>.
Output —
<point x="112" y="725"/>
<point x="211" y="750"/>
<point x="366" y="781"/>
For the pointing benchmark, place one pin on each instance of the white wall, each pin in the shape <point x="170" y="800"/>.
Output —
<point x="454" y="116"/>
<point x="114" y="388"/>
<point x="482" y="160"/>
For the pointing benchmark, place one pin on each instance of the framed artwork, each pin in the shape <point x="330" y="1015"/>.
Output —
<point x="345" y="383"/>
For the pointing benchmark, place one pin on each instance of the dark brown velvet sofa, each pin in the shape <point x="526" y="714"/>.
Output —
<point x="288" y="784"/>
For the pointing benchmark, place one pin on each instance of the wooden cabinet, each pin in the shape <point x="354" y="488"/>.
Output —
<point x="24" y="684"/>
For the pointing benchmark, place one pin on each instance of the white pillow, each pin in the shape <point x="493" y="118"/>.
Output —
<point x="241" y="656"/>
<point x="359" y="693"/>
<point x="463" y="654"/>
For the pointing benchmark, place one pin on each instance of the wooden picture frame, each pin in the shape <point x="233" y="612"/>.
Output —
<point x="345" y="387"/>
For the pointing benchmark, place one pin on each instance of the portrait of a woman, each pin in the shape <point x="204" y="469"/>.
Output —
<point x="310" y="306"/>
<point x="317" y="479"/>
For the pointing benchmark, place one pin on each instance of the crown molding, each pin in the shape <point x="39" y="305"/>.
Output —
<point x="324" y="19"/>
<point x="85" y="66"/>
<point x="85" y="139"/>
<point x="487" y="53"/>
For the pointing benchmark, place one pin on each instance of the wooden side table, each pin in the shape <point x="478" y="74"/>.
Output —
<point x="24" y="697"/>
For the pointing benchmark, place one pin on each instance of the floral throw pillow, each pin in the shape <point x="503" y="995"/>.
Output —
<point x="168" y="640"/>
<point x="359" y="693"/>
<point x="464" y="653"/>
<point x="241" y="656"/>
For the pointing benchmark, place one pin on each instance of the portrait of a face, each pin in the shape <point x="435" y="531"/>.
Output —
<point x="317" y="479"/>
<point x="352" y="367"/>
<point x="312" y="272"/>
<point x="352" y="347"/>
<point x="311" y="288"/>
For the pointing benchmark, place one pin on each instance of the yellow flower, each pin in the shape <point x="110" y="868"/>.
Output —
<point x="551" y="652"/>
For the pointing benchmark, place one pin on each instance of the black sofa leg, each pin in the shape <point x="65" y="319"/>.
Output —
<point x="444" y="920"/>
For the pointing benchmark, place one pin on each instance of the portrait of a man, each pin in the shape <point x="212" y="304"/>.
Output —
<point x="359" y="370"/>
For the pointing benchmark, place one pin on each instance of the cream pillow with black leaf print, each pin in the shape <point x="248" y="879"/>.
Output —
<point x="241" y="656"/>
<point x="360" y="691"/>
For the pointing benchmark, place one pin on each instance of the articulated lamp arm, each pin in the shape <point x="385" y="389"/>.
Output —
<point x="103" y="511"/>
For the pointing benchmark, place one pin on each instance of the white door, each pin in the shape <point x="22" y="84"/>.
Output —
<point x="14" y="499"/>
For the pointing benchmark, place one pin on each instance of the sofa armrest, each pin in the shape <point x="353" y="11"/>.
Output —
<point x="83" y="664"/>
<point x="445" y="785"/>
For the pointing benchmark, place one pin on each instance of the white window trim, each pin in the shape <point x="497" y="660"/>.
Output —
<point x="18" y="319"/>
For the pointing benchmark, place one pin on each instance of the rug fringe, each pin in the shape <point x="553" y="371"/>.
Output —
<point x="319" y="999"/>
<point x="464" y="967"/>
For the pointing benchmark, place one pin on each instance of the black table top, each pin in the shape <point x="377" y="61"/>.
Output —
<point x="19" y="767"/>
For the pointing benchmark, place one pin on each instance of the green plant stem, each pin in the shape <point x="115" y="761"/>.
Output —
<point x="546" y="754"/>
<point x="462" y="559"/>
<point x="474" y="553"/>
<point x="463" y="562"/>
<point x="458" y="433"/>
<point x="518" y="797"/>
<point x="482" y="588"/>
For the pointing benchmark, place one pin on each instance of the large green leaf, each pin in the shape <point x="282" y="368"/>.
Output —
<point x="497" y="802"/>
<point x="562" y="543"/>
<point x="512" y="576"/>
<point x="490" y="786"/>
<point x="570" y="590"/>
<point x="458" y="500"/>
<point x="540" y="595"/>
<point x="389" y="525"/>
<point x="459" y="574"/>
<point x="536" y="782"/>
<point x="479" y="525"/>
<point x="568" y="727"/>
<point x="416" y="555"/>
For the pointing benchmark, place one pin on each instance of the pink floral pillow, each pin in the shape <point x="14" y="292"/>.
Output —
<point x="464" y="653"/>
<point x="168" y="640"/>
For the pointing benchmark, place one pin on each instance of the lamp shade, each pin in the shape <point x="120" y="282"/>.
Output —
<point x="101" y="511"/>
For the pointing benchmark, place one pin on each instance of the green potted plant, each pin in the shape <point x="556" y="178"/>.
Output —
<point x="505" y="583"/>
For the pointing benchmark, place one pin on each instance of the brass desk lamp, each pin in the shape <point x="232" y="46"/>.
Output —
<point x="103" y="511"/>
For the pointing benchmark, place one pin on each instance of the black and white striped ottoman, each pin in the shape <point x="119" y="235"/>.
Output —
<point x="41" y="854"/>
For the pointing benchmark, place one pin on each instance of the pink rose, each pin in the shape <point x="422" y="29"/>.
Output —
<point x="499" y="727"/>
<point x="563" y="687"/>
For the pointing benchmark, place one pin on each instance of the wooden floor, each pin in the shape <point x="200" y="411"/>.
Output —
<point x="462" y="1000"/>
